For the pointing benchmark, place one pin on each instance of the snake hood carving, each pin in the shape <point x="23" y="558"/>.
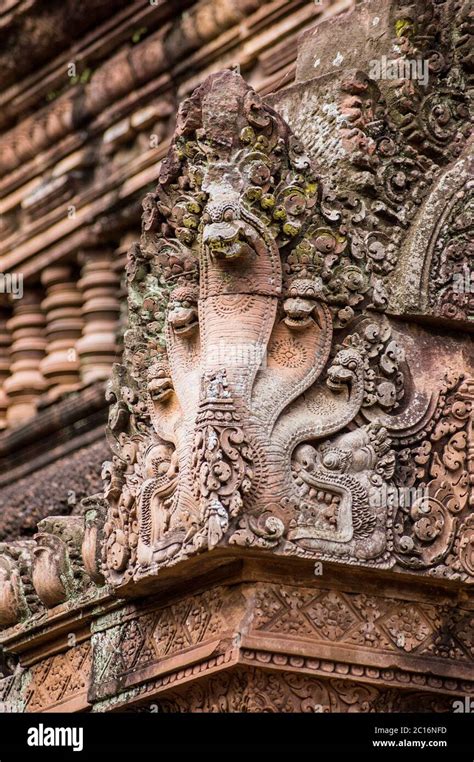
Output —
<point x="229" y="365"/>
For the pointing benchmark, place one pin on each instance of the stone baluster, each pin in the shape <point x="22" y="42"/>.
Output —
<point x="26" y="383"/>
<point x="62" y="308"/>
<point x="97" y="348"/>
<point x="5" y="341"/>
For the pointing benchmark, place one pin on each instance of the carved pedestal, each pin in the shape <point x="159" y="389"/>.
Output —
<point x="252" y="634"/>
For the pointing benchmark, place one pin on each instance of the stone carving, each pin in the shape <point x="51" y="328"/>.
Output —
<point x="251" y="360"/>
<point x="333" y="495"/>
<point x="11" y="698"/>
<point x="269" y="397"/>
<point x="240" y="276"/>
<point x="26" y="382"/>
<point x="57" y="570"/>
<point x="255" y="690"/>
<point x="162" y="649"/>
<point x="59" y="564"/>
<point x="400" y="135"/>
<point x="450" y="256"/>
<point x="368" y="621"/>
<point x="438" y="460"/>
<point x="18" y="599"/>
<point x="97" y="347"/>
<point x="60" y="681"/>
<point x="143" y="641"/>
<point x="94" y="509"/>
<point x="62" y="306"/>
<point x="435" y="114"/>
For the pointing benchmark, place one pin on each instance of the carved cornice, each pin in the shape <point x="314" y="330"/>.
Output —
<point x="144" y="652"/>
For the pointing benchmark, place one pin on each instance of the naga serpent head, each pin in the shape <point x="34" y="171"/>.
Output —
<point x="224" y="233"/>
<point x="344" y="370"/>
<point x="183" y="310"/>
<point x="160" y="385"/>
<point x="298" y="313"/>
<point x="299" y="306"/>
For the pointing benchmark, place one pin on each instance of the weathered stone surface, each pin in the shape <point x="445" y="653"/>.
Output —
<point x="170" y="653"/>
<point x="394" y="150"/>
<point x="328" y="48"/>
<point x="286" y="516"/>
<point x="267" y="430"/>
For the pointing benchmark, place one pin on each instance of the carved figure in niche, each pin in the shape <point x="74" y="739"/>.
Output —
<point x="241" y="418"/>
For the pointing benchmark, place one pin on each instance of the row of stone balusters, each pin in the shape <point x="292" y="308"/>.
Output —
<point x="59" y="337"/>
<point x="59" y="564"/>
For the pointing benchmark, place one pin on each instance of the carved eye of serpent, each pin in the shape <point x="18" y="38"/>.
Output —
<point x="333" y="460"/>
<point x="352" y="364"/>
<point x="346" y="360"/>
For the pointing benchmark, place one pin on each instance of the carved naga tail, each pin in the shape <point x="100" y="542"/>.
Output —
<point x="234" y="290"/>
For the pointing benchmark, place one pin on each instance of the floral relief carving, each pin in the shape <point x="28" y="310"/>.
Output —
<point x="254" y="690"/>
<point x="373" y="622"/>
<point x="59" y="678"/>
<point x="152" y="636"/>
